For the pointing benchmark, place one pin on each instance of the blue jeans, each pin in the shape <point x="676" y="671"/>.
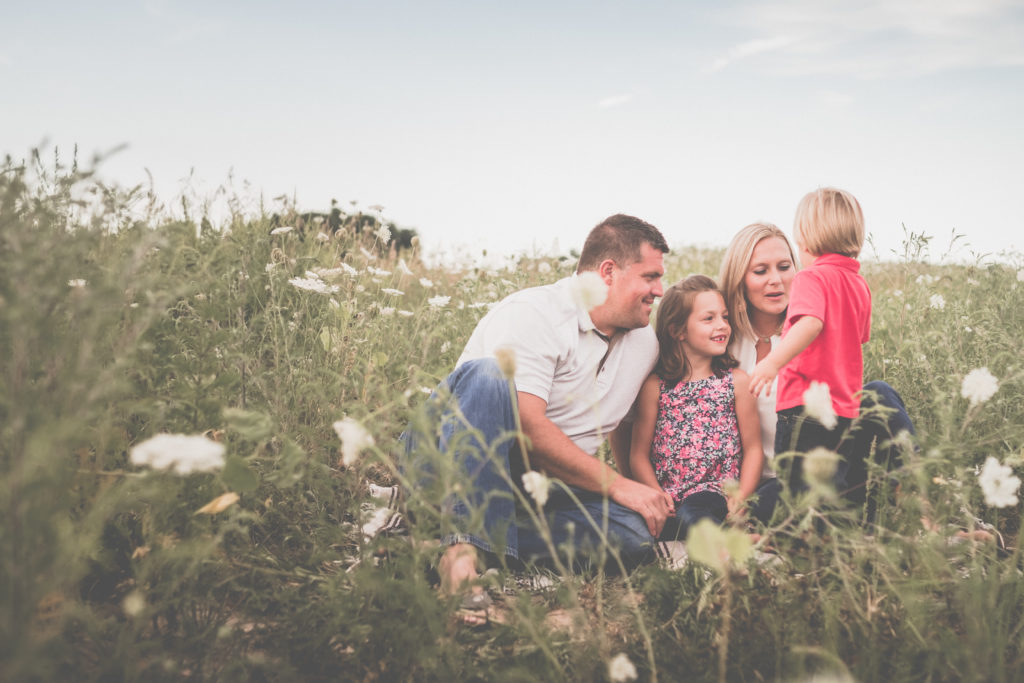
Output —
<point x="713" y="505"/>
<point x="883" y="416"/>
<point x="475" y="408"/>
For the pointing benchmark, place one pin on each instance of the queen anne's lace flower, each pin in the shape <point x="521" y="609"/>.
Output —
<point x="937" y="301"/>
<point x="998" y="484"/>
<point x="438" y="301"/>
<point x="354" y="439"/>
<point x="283" y="230"/>
<point x="818" y="404"/>
<point x="392" y="292"/>
<point x="313" y="284"/>
<point x="588" y="290"/>
<point x="621" y="669"/>
<point x="179" y="452"/>
<point x="536" y="484"/>
<point x="979" y="386"/>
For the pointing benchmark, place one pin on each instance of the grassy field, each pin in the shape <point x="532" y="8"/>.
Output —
<point x="115" y="328"/>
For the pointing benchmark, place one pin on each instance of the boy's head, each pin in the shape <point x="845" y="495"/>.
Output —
<point x="829" y="221"/>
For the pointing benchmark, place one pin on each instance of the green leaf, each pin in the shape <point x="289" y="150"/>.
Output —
<point x="249" y="423"/>
<point x="237" y="475"/>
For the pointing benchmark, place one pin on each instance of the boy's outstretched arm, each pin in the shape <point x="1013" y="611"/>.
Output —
<point x="798" y="337"/>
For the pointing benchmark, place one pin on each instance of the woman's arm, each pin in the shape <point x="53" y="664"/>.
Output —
<point x="643" y="432"/>
<point x="800" y="335"/>
<point x="752" y="464"/>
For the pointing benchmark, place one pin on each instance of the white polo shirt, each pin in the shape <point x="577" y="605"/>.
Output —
<point x="559" y="359"/>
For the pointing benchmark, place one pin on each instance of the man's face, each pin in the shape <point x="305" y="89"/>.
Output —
<point x="634" y="288"/>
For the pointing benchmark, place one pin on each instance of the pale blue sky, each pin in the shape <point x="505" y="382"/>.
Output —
<point x="509" y="125"/>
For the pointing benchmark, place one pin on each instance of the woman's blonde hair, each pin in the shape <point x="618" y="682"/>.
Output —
<point x="673" y="312"/>
<point x="735" y="264"/>
<point x="829" y="221"/>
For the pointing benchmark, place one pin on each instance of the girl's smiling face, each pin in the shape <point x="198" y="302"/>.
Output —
<point x="707" y="329"/>
<point x="769" y="276"/>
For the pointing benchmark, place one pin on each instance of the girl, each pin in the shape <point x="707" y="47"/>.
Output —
<point x="696" y="425"/>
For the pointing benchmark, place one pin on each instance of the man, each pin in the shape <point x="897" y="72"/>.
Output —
<point x="576" y="375"/>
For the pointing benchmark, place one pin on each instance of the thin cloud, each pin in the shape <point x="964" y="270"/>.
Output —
<point x="614" y="101"/>
<point x="750" y="49"/>
<point x="879" y="38"/>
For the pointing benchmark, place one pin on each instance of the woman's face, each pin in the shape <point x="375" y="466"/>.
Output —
<point x="769" y="275"/>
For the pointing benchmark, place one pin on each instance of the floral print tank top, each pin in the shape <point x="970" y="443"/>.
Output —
<point x="696" y="437"/>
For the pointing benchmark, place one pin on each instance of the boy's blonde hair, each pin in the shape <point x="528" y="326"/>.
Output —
<point x="829" y="221"/>
<point x="735" y="264"/>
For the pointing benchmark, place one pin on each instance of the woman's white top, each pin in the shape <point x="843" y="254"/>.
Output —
<point x="744" y="350"/>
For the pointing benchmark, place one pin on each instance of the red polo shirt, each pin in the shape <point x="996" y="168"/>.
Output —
<point x="833" y="291"/>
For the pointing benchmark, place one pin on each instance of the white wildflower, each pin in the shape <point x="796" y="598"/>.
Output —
<point x="283" y="230"/>
<point x="543" y="267"/>
<point x="536" y="484"/>
<point x="446" y="347"/>
<point x="926" y="279"/>
<point x="269" y="267"/>
<point x="133" y="604"/>
<point x="479" y="304"/>
<point x="387" y="310"/>
<point x="392" y="292"/>
<point x="438" y="301"/>
<point x="937" y="301"/>
<point x="998" y="484"/>
<point x="77" y="283"/>
<point x="323" y="237"/>
<point x="354" y="439"/>
<point x="380" y="272"/>
<point x="384" y="234"/>
<point x="971" y="281"/>
<point x="349" y="269"/>
<point x="329" y="272"/>
<point x="313" y="284"/>
<point x="820" y="466"/>
<point x="360" y="288"/>
<point x="818" y="404"/>
<point x="425" y="283"/>
<point x="179" y="452"/>
<point x="405" y="314"/>
<point x="369" y="255"/>
<point x="403" y="267"/>
<point x="979" y="386"/>
<point x="621" y="669"/>
<point x="426" y="390"/>
<point x="334" y="303"/>
<point x="1020" y="275"/>
<point x="898" y="293"/>
<point x="588" y="290"/>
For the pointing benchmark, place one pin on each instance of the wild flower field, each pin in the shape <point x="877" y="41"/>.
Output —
<point x="288" y="361"/>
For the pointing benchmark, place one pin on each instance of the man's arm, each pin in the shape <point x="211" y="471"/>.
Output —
<point x="798" y="337"/>
<point x="554" y="452"/>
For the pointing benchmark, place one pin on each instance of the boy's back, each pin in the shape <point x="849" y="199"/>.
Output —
<point x="833" y="291"/>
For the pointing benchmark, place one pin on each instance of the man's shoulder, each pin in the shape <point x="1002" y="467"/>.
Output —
<point x="552" y="303"/>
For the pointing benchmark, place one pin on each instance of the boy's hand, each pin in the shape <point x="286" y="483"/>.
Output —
<point x="762" y="377"/>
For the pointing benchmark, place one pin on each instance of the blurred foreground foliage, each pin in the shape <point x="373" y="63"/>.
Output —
<point x="117" y="324"/>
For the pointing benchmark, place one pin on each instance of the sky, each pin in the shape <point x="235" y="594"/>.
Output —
<point x="517" y="126"/>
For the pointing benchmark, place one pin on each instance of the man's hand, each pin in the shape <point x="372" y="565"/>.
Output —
<point x="654" y="505"/>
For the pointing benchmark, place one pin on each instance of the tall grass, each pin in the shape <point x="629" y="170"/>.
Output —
<point x="114" y="328"/>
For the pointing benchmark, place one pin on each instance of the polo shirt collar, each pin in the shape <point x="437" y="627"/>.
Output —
<point x="838" y="260"/>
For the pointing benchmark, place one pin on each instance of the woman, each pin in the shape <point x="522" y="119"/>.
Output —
<point x="757" y="271"/>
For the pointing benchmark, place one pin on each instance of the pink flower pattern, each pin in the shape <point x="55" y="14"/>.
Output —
<point x="696" y="437"/>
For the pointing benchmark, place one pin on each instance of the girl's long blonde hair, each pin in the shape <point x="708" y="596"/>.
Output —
<point x="673" y="312"/>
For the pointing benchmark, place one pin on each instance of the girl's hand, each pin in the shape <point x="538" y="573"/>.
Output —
<point x="737" y="508"/>
<point x="761" y="378"/>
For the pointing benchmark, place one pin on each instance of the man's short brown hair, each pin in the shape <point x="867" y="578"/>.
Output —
<point x="619" y="238"/>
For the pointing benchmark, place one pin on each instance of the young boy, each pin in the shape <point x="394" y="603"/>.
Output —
<point x="828" y="319"/>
